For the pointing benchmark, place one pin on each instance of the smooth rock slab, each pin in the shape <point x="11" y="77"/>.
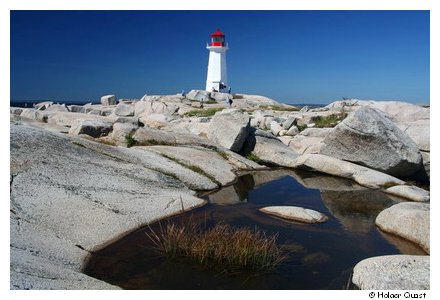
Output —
<point x="393" y="272"/>
<point x="295" y="213"/>
<point x="65" y="197"/>
<point x="412" y="193"/>
<point x="336" y="167"/>
<point x="409" y="220"/>
<point x="207" y="161"/>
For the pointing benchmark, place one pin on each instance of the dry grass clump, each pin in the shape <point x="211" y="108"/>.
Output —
<point x="222" y="247"/>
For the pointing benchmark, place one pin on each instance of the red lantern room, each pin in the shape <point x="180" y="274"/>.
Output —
<point x="218" y="39"/>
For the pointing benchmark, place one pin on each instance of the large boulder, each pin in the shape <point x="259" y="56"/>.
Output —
<point x="67" y="119"/>
<point x="151" y="136"/>
<point x="121" y="133"/>
<point x="93" y="128"/>
<point x="154" y="120"/>
<point x="108" y="100"/>
<point x="409" y="220"/>
<point x="198" y="95"/>
<point x="268" y="149"/>
<point x="393" y="272"/>
<point x="124" y="110"/>
<point x="155" y="107"/>
<point x="220" y="97"/>
<point x="367" y="137"/>
<point x="229" y="128"/>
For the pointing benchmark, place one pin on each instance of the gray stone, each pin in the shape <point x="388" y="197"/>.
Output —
<point x="28" y="113"/>
<point x="67" y="119"/>
<point x="121" y="131"/>
<point x="108" y="100"/>
<point x="293" y="130"/>
<point x="151" y="136"/>
<point x="219" y="97"/>
<point x="393" y="272"/>
<point x="15" y="110"/>
<point x="57" y="107"/>
<point x="275" y="127"/>
<point x="207" y="162"/>
<point x="198" y="95"/>
<point x="409" y="192"/>
<point x="124" y="110"/>
<point x="43" y="105"/>
<point x="154" y="120"/>
<point x="336" y="167"/>
<point x="229" y="128"/>
<point x="304" y="109"/>
<point x="419" y="132"/>
<point x="295" y="213"/>
<point x="76" y="108"/>
<point x="409" y="220"/>
<point x="43" y="115"/>
<point x="289" y="122"/>
<point x="93" y="128"/>
<point x="368" y="138"/>
<point x="73" y="194"/>
<point x="269" y="149"/>
<point x="302" y="144"/>
<point x="316" y="132"/>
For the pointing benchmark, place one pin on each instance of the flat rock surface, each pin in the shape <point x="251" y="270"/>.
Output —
<point x="336" y="167"/>
<point x="393" y="272"/>
<point x="66" y="197"/>
<point x="208" y="161"/>
<point x="295" y="213"/>
<point x="409" y="220"/>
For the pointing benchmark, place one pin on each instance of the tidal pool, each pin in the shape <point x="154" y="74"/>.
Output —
<point x="320" y="256"/>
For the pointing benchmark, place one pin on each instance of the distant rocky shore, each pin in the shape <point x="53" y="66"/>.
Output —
<point x="83" y="175"/>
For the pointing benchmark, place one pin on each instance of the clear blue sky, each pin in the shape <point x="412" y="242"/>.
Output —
<point x="290" y="56"/>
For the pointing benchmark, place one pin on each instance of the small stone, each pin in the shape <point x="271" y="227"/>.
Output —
<point x="412" y="193"/>
<point x="295" y="213"/>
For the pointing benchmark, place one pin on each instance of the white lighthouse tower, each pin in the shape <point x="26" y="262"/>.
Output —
<point x="217" y="79"/>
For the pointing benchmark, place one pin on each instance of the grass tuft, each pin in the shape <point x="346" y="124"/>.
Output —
<point x="209" y="112"/>
<point x="253" y="157"/>
<point x="130" y="140"/>
<point x="328" y="121"/>
<point x="301" y="127"/>
<point x="222" y="246"/>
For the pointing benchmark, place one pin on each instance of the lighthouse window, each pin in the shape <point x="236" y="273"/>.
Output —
<point x="218" y="39"/>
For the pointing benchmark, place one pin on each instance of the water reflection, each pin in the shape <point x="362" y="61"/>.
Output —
<point x="320" y="256"/>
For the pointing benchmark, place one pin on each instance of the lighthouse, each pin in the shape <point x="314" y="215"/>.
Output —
<point x="217" y="80"/>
